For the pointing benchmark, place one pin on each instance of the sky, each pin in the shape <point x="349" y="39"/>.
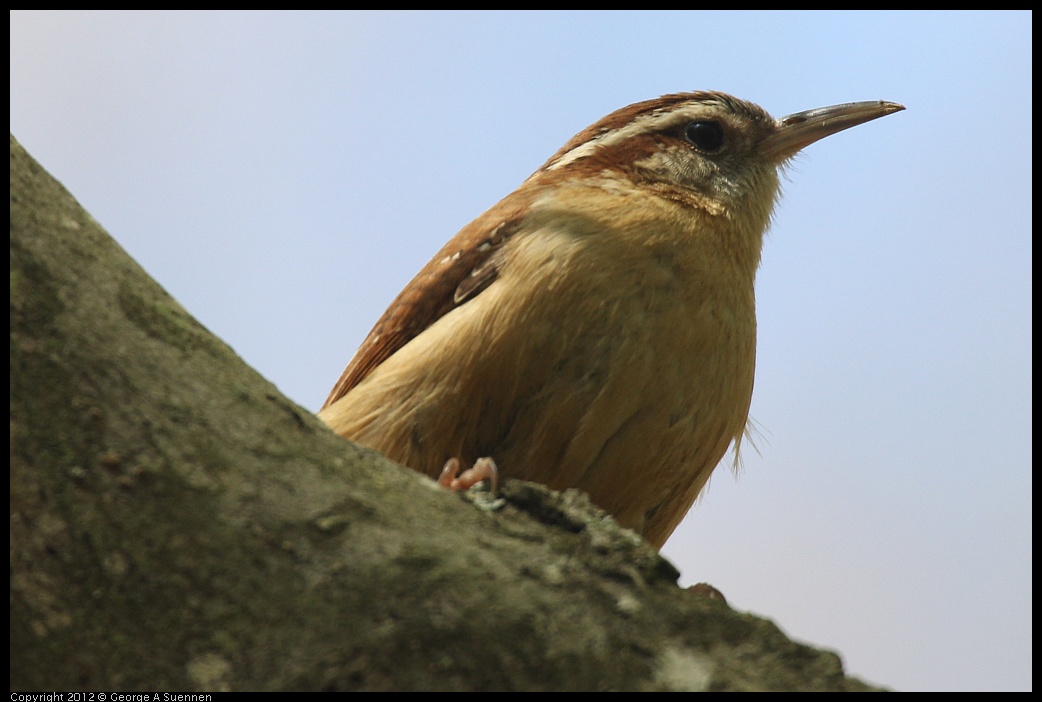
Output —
<point x="285" y="174"/>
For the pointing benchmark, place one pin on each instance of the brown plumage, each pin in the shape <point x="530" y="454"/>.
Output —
<point x="596" y="328"/>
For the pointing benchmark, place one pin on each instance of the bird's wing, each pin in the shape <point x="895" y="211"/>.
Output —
<point x="465" y="266"/>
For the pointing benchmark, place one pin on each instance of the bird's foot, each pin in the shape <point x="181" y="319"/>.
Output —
<point x="483" y="469"/>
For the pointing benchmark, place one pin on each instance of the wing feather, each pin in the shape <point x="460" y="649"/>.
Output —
<point x="461" y="270"/>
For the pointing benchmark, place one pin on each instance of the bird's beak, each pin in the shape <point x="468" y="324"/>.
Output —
<point x="796" y="131"/>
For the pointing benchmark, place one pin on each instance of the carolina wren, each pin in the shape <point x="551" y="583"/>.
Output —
<point x="596" y="327"/>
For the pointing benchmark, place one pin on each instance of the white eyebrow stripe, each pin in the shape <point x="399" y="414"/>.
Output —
<point x="644" y="123"/>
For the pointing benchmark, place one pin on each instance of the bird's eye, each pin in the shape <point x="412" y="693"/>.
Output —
<point x="706" y="136"/>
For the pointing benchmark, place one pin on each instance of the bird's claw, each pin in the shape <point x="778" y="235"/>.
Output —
<point x="483" y="469"/>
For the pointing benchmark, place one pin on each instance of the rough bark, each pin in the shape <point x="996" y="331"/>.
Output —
<point x="177" y="524"/>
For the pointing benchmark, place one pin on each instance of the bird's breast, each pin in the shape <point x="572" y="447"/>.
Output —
<point x="628" y="364"/>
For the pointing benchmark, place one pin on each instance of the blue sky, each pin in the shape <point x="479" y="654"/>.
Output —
<point x="283" y="175"/>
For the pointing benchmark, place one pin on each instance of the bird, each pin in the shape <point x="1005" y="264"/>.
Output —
<point x="595" y="328"/>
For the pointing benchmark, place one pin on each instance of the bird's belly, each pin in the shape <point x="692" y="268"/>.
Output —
<point x="638" y="410"/>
